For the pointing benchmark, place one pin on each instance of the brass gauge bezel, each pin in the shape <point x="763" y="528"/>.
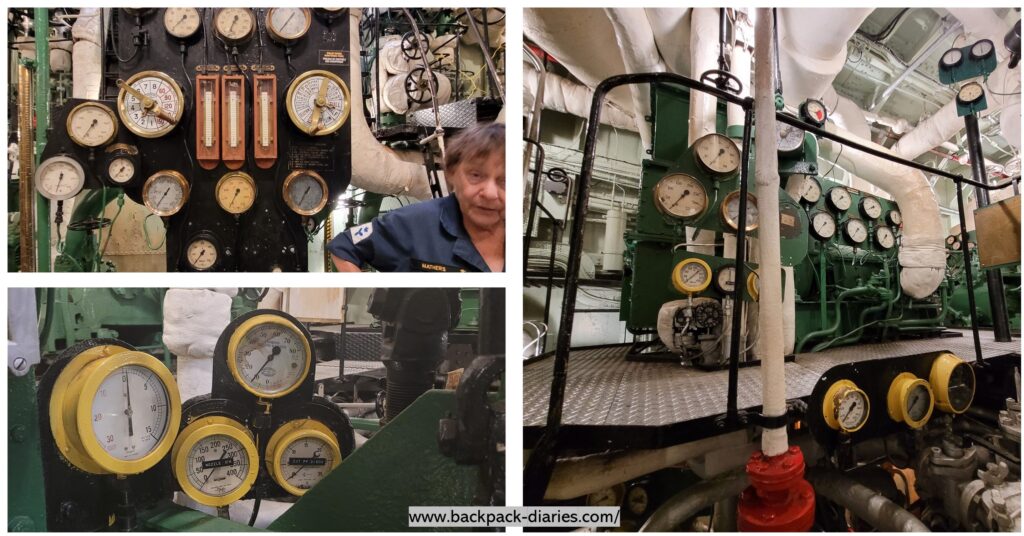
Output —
<point x="831" y="402"/>
<point x="291" y="106"/>
<point x="681" y="285"/>
<point x="182" y="36"/>
<point x="182" y="182"/>
<point x="249" y="181"/>
<point x="668" y="211"/>
<point x="899" y="395"/>
<point x="287" y="39"/>
<point x="289" y="433"/>
<point x="90" y="104"/>
<point x="240" y="333"/>
<point x="731" y="222"/>
<point x="200" y="429"/>
<point x="122" y="109"/>
<point x="240" y="40"/>
<point x="704" y="166"/>
<point x="292" y="177"/>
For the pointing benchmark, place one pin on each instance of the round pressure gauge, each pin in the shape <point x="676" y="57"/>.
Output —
<point x="318" y="102"/>
<point x="953" y="381"/>
<point x="839" y="199"/>
<point x="607" y="497"/>
<point x="754" y="285"/>
<point x="725" y="279"/>
<point x="92" y="124"/>
<point x="717" y="154"/>
<point x="691" y="275"/>
<point x="855" y="231"/>
<point x="637" y="500"/>
<point x="305" y="192"/>
<point x="680" y="196"/>
<point x="884" y="237"/>
<point x="982" y="49"/>
<point x="870" y="208"/>
<point x="823" y="225"/>
<point x="59" y="177"/>
<point x="236" y="192"/>
<point x="910" y="400"/>
<point x="846" y="407"/>
<point x="810" y="190"/>
<point x="894" y="217"/>
<point x="150" y="103"/>
<point x="953" y="241"/>
<point x="952" y="58"/>
<point x="970" y="92"/>
<point x="182" y="22"/>
<point x="234" y="25"/>
<point x="165" y="192"/>
<point x="121" y="163"/>
<point x="215" y="460"/>
<point x="288" y="24"/>
<point x="814" y="112"/>
<point x="300" y="454"/>
<point x="203" y="252"/>
<point x="731" y="211"/>
<point x="788" y="139"/>
<point x="269" y="355"/>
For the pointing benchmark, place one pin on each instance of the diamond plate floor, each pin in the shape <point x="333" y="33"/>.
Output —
<point x="604" y="389"/>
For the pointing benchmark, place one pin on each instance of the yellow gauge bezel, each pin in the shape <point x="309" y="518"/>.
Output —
<point x="752" y="223"/>
<point x="235" y="40"/>
<point x="830" y="407"/>
<point x="941" y="371"/>
<point x="291" y="204"/>
<point x="286" y="39"/>
<point x="707" y="168"/>
<point x="291" y="107"/>
<point x="753" y="281"/>
<point x="90" y="104"/>
<point x="185" y="190"/>
<point x="243" y="329"/>
<point x="200" y="429"/>
<point x="190" y="34"/>
<point x="665" y="210"/>
<point x="249" y="181"/>
<point x="898" y="395"/>
<point x="122" y="109"/>
<point x="289" y="433"/>
<point x="678" y="283"/>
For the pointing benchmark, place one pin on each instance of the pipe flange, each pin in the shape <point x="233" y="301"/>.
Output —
<point x="970" y="498"/>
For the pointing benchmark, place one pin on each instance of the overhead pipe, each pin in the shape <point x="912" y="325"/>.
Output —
<point x="704" y="57"/>
<point x="952" y="29"/>
<point x="739" y="66"/>
<point x="87" y="54"/>
<point x="565" y="96"/>
<point x="812" y="48"/>
<point x="640" y="55"/>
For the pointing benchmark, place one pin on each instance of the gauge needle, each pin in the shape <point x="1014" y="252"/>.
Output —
<point x="147" y="103"/>
<point x="316" y="455"/>
<point x="303" y="198"/>
<point x="232" y="203"/>
<point x="161" y="200"/>
<point x="320" y="102"/>
<point x="94" y="121"/>
<point x="59" y="179"/>
<point x="128" y="395"/>
<point x="852" y="407"/>
<point x="289" y="19"/>
<point x="207" y="479"/>
<point x="685" y="193"/>
<point x="270" y="358"/>
<point x="233" y="21"/>
<point x="183" y="17"/>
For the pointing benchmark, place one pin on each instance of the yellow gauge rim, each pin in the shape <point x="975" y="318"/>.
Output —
<point x="706" y="168"/>
<point x="898" y="395"/>
<point x="243" y="329"/>
<point x="122" y="109"/>
<point x="110" y="113"/>
<point x="289" y="433"/>
<point x="249" y="181"/>
<point x="753" y="285"/>
<point x="733" y="224"/>
<point x="182" y="181"/>
<point x="938" y="377"/>
<point x="200" y="429"/>
<point x="678" y="283"/>
<point x="291" y="204"/>
<point x="275" y="35"/>
<point x="83" y="388"/>
<point x="830" y="407"/>
<point x="330" y="76"/>
<point x="665" y="210"/>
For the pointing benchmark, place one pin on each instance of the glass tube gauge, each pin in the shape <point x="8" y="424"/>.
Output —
<point x="264" y="119"/>
<point x="300" y="454"/>
<point x="731" y="211"/>
<point x="215" y="460"/>
<point x="182" y="22"/>
<point x="305" y="192"/>
<point x="234" y="25"/>
<point x="59" y="177"/>
<point x="318" y="102"/>
<point x="717" y="155"/>
<point x="288" y="24"/>
<point x="236" y="192"/>
<point x="208" y="120"/>
<point x="846" y="407"/>
<point x="680" y="196"/>
<point x="823" y="225"/>
<point x="165" y="192"/>
<point x="91" y="124"/>
<point x="150" y="103"/>
<point x="691" y="276"/>
<point x="268" y="355"/>
<point x="233" y="121"/>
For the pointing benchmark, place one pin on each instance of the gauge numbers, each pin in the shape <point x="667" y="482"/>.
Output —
<point x="823" y="225"/>
<point x="884" y="237"/>
<point x="305" y="192"/>
<point x="680" y="196"/>
<point x="731" y="211"/>
<point x="215" y="460"/>
<point x="236" y="192"/>
<point x="150" y="103"/>
<point x="59" y="177"/>
<point x="165" y="192"/>
<point x="130" y="398"/>
<point x="300" y="454"/>
<point x="91" y="124"/>
<point x="234" y="25"/>
<point x="839" y="199"/>
<point x="121" y="170"/>
<point x="318" y="102"/>
<point x="288" y="24"/>
<point x="855" y="231"/>
<point x="268" y="355"/>
<point x="691" y="275"/>
<point x="717" y="154"/>
<point x="182" y="22"/>
<point x="970" y="92"/>
<point x="870" y="208"/>
<point x="846" y="407"/>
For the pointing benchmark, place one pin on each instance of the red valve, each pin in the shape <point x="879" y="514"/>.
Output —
<point x="778" y="498"/>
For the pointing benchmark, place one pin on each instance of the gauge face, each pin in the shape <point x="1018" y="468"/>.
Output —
<point x="637" y="500"/>
<point x="952" y="239"/>
<point x="607" y="497"/>
<point x="731" y="211"/>
<point x="91" y="124"/>
<point x="981" y="49"/>
<point x="287" y="24"/>
<point x="885" y="238"/>
<point x="970" y="92"/>
<point x="306" y="461"/>
<point x="788" y="138"/>
<point x="130" y="412"/>
<point x="236" y="192"/>
<point x="717" y="154"/>
<point x="305" y="192"/>
<point x="150" y="104"/>
<point x="121" y="170"/>
<point x="910" y="400"/>
<point x="182" y="22"/>
<point x="952" y="57"/>
<point x="855" y="231"/>
<point x="217" y="465"/>
<point x="961" y="387"/>
<point x="234" y="24"/>
<point x="852" y="410"/>
<point x="814" y="112"/>
<point x="839" y="199"/>
<point x="318" y="102"/>
<point x="202" y="254"/>
<point x="810" y="190"/>
<point x="725" y="280"/>
<point x="165" y="192"/>
<point x="59" y="177"/>
<point x="894" y="217"/>
<point x="823" y="225"/>
<point x="870" y="208"/>
<point x="691" y="275"/>
<point x="269" y="356"/>
<point x="919" y="402"/>
<point x="680" y="196"/>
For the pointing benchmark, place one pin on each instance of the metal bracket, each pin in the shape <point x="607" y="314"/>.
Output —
<point x="23" y="331"/>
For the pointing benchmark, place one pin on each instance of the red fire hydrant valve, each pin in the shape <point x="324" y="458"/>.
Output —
<point x="778" y="498"/>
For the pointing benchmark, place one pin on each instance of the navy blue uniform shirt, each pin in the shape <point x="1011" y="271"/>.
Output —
<point x="422" y="237"/>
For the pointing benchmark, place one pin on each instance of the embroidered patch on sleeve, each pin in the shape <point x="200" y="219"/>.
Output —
<point x="362" y="232"/>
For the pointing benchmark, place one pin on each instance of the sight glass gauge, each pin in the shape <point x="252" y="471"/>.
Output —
<point x="788" y="138"/>
<point x="300" y="454"/>
<point x="952" y="58"/>
<point x="870" y="208"/>
<point x="855" y="230"/>
<point x="91" y="124"/>
<point x="846" y="407"/>
<point x="305" y="192"/>
<point x="269" y="356"/>
<point x="885" y="238"/>
<point x="970" y="92"/>
<point x="182" y="22"/>
<point x="288" y="24"/>
<point x="680" y="196"/>
<point x="215" y="460"/>
<point x="823" y="225"/>
<point x="236" y="192"/>
<point x="165" y="192"/>
<point x="731" y="211"/>
<point x="717" y="154"/>
<point x="810" y="190"/>
<point x="691" y="275"/>
<point x="910" y="400"/>
<point x="234" y="25"/>
<point x="894" y="217"/>
<point x="202" y="253"/>
<point x="59" y="177"/>
<point x="122" y="163"/>
<point x="233" y="121"/>
<point x="725" y="280"/>
<point x="318" y="102"/>
<point x="150" y="103"/>
<point x="839" y="199"/>
<point x="953" y="381"/>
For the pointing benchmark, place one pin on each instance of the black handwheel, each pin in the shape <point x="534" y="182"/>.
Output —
<point x="723" y="80"/>
<point x="417" y="85"/>
<point x="413" y="45"/>
<point x="89" y="224"/>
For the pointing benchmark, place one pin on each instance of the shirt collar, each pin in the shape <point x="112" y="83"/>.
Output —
<point x="451" y="222"/>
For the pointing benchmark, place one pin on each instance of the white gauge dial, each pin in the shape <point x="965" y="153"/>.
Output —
<point x="306" y="461"/>
<point x="823" y="225"/>
<point x="717" y="154"/>
<point x="59" y="177"/>
<point x="165" y="192"/>
<point x="680" y="196"/>
<point x="694" y="275"/>
<point x="318" y="102"/>
<point x="130" y="412"/>
<point x="952" y="57"/>
<point x="788" y="138"/>
<point x="856" y="231"/>
<point x="217" y="465"/>
<point x="840" y="199"/>
<point x="919" y="402"/>
<point x="288" y="24"/>
<point x="851" y="411"/>
<point x="895" y="217"/>
<point x="305" y="192"/>
<point x="725" y="280"/>
<point x="202" y="254"/>
<point x="815" y="112"/>
<point x="271" y="358"/>
<point x="234" y="24"/>
<point x="981" y="48"/>
<point x="970" y="92"/>
<point x="91" y="124"/>
<point x="182" y="22"/>
<point x="121" y="170"/>
<point x="870" y="208"/>
<point x="810" y="190"/>
<point x="150" y="104"/>
<point x="236" y="192"/>
<point x="885" y="238"/>
<point x="731" y="211"/>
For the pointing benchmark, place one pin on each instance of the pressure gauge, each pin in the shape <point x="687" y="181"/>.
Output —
<point x="305" y="192"/>
<point x="59" y="177"/>
<point x="952" y="58"/>
<point x="236" y="192"/>
<point x="953" y="381"/>
<point x="870" y="208"/>
<point x="953" y="242"/>
<point x="637" y="500"/>
<point x="318" y="102"/>
<point x="839" y="199"/>
<point x="894" y="217"/>
<point x="91" y="124"/>
<point x="165" y="192"/>
<point x="288" y="24"/>
<point x="725" y="280"/>
<point x="754" y="285"/>
<point x="717" y="155"/>
<point x="810" y="190"/>
<point x="121" y="170"/>
<point x="680" y="196"/>
<point x="855" y="231"/>
<point x="982" y="49"/>
<point x="121" y="163"/>
<point x="182" y="22"/>
<point x="607" y="497"/>
<point x="269" y="356"/>
<point x="731" y="211"/>
<point x="300" y="454"/>
<point x="884" y="237"/>
<point x="114" y="411"/>
<point x="691" y="275"/>
<point x="788" y="139"/>
<point x="814" y="112"/>
<point x="150" y="103"/>
<point x="910" y="400"/>
<point x="234" y="25"/>
<point x="215" y="460"/>
<point x="970" y="93"/>
<point x="203" y="252"/>
<point x="823" y="225"/>
<point x="846" y="407"/>
<point x="232" y="121"/>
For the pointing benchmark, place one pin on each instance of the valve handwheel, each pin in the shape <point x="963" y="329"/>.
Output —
<point x="723" y="80"/>
<point x="417" y="86"/>
<point x="412" y="45"/>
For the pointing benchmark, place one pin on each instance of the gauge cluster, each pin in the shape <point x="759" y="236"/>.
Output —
<point x="847" y="216"/>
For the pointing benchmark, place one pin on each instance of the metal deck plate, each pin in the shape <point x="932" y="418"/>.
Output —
<point x="604" y="389"/>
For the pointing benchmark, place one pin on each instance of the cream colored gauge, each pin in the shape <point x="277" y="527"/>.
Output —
<point x="953" y="382"/>
<point x="91" y="124"/>
<point x="150" y="103"/>
<point x="870" y="208"/>
<point x="607" y="497"/>
<point x="165" y="192"/>
<point x="855" y="231"/>
<point x="731" y="211"/>
<point x="215" y="460"/>
<point x="236" y="192"/>
<point x="884" y="237"/>
<point x="305" y="192"/>
<point x="910" y="400"/>
<point x="182" y="22"/>
<point x="234" y="25"/>
<point x="725" y="279"/>
<point x="269" y="356"/>
<point x="894" y="217"/>
<point x="318" y="102"/>
<point x="288" y="24"/>
<point x="637" y="500"/>
<point x="788" y="139"/>
<point x="121" y="170"/>
<point x="810" y="190"/>
<point x="823" y="225"/>
<point x="839" y="199"/>
<point x="300" y="454"/>
<point x="680" y="196"/>
<point x="691" y="275"/>
<point x="59" y="177"/>
<point x="970" y="92"/>
<point x="717" y="154"/>
<point x="202" y="253"/>
<point x="845" y="407"/>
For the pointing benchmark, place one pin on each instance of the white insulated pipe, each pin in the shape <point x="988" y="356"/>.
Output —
<point x="983" y="23"/>
<point x="639" y="54"/>
<point x="812" y="48"/>
<point x="704" y="57"/>
<point x="87" y="54"/>
<point x="611" y="254"/>
<point x="739" y="65"/>
<point x="566" y="96"/>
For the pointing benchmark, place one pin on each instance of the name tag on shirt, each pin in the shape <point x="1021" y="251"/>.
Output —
<point x="424" y="266"/>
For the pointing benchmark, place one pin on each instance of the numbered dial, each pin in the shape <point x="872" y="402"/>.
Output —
<point x="150" y="104"/>
<point x="855" y="231"/>
<point x="970" y="92"/>
<point x="717" y="154"/>
<point x="288" y="24"/>
<point x="846" y="407"/>
<point x="215" y="460"/>
<point x="202" y="254"/>
<point x="823" y="225"/>
<point x="894" y="217"/>
<point x="788" y="139"/>
<point x="725" y="280"/>
<point x="130" y="412"/>
<point x="691" y="275"/>
<point x="165" y="192"/>
<point x="236" y="192"/>
<point x="885" y="238"/>
<point x="870" y="208"/>
<point x="810" y="190"/>
<point x="59" y="177"/>
<point x="318" y="102"/>
<point x="680" y="196"/>
<point x="839" y="199"/>
<point x="269" y="356"/>
<point x="731" y="211"/>
<point x="852" y="410"/>
<point x="300" y="454"/>
<point x="982" y="49"/>
<point x="91" y="124"/>
<point x="182" y="22"/>
<point x="305" y="192"/>
<point x="234" y="25"/>
<point x="919" y="402"/>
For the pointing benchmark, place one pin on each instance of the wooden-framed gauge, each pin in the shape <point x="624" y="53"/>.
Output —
<point x="269" y="356"/>
<point x="300" y="453"/>
<point x="215" y="460"/>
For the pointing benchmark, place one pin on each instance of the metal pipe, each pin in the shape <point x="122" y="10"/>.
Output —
<point x="689" y="502"/>
<point x="888" y="91"/>
<point x="538" y="168"/>
<point x="533" y="129"/>
<point x="486" y="49"/>
<point x="968" y="273"/>
<point x="735" y="344"/>
<point x="856" y="291"/>
<point x="26" y="163"/>
<point x="864" y="502"/>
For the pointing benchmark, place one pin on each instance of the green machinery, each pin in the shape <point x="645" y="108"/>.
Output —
<point x="959" y="314"/>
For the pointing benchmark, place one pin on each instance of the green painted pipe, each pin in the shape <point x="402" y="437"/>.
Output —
<point x="41" y="22"/>
<point x="856" y="291"/>
<point x="370" y="425"/>
<point x="77" y="244"/>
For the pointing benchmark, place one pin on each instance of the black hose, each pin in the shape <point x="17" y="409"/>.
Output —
<point x="864" y="502"/>
<point x="255" y="512"/>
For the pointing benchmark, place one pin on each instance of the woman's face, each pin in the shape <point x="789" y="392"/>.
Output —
<point x="479" y="186"/>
